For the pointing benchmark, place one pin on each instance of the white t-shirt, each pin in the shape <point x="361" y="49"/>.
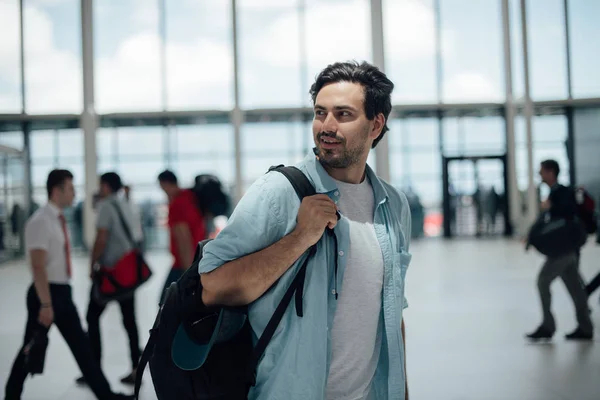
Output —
<point x="44" y="231"/>
<point x="356" y="331"/>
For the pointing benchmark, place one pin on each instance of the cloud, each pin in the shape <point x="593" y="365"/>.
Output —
<point x="470" y="86"/>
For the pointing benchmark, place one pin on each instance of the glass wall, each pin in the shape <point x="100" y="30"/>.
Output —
<point x="178" y="56"/>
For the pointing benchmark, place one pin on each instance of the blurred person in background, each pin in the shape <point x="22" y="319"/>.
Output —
<point x="186" y="225"/>
<point x="561" y="204"/>
<point x="115" y="225"/>
<point x="49" y="298"/>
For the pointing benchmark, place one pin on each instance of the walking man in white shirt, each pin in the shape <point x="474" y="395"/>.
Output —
<point x="49" y="299"/>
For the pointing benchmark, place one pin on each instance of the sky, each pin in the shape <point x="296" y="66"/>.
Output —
<point x="276" y="70"/>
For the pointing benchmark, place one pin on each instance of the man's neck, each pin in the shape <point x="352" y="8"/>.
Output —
<point x="354" y="174"/>
<point x="55" y="204"/>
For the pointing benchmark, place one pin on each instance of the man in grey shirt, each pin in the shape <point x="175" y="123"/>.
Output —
<point x="113" y="241"/>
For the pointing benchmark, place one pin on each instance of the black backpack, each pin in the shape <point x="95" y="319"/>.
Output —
<point x="554" y="237"/>
<point x="211" y="197"/>
<point x="230" y="368"/>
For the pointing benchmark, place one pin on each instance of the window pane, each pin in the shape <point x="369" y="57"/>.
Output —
<point x="141" y="172"/>
<point x="12" y="139"/>
<point x="70" y="144"/>
<point x="268" y="144"/>
<point x="199" y="54"/>
<point x="210" y="140"/>
<point x="222" y="167"/>
<point x="472" y="65"/>
<point x="10" y="70"/>
<point x="584" y="37"/>
<point x="423" y="163"/>
<point x="409" y="36"/>
<point x="547" y="60"/>
<point x="126" y="48"/>
<point x="336" y="30"/>
<point x="43" y="146"/>
<point x="53" y="76"/>
<point x="422" y="133"/>
<point x="474" y="136"/>
<point x="129" y="140"/>
<point x="39" y="175"/>
<point x="269" y="46"/>
<point x="105" y="144"/>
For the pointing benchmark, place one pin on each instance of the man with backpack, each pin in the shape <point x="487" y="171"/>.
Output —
<point x="114" y="224"/>
<point x="186" y="225"/>
<point x="349" y="342"/>
<point x="562" y="205"/>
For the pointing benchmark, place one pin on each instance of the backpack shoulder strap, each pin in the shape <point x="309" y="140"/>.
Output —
<point x="303" y="188"/>
<point x="299" y="181"/>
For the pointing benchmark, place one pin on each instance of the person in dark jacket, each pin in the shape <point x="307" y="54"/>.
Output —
<point x="561" y="204"/>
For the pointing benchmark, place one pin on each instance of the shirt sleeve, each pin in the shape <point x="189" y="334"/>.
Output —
<point x="259" y="220"/>
<point x="104" y="219"/>
<point x="37" y="236"/>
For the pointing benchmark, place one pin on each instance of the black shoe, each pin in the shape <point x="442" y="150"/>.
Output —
<point x="121" y="396"/>
<point x="541" y="333"/>
<point x="578" y="334"/>
<point x="81" y="381"/>
<point x="129" y="379"/>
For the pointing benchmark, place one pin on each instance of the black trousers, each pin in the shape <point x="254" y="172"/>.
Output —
<point x="94" y="312"/>
<point x="68" y="323"/>
<point x="593" y="285"/>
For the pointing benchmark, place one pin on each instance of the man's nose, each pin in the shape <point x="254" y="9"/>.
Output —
<point x="330" y="124"/>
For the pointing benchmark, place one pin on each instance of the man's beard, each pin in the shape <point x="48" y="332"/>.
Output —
<point x="331" y="158"/>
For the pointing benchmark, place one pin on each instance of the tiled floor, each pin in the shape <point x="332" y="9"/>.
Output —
<point x="470" y="303"/>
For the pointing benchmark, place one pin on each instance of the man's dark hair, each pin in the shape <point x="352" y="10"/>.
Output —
<point x="551" y="165"/>
<point x="57" y="178"/>
<point x="376" y="85"/>
<point x="167" y="176"/>
<point x="112" y="180"/>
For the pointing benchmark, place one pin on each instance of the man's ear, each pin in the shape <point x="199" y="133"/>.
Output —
<point x="378" y="124"/>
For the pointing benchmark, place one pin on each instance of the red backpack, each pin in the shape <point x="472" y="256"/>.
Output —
<point x="586" y="209"/>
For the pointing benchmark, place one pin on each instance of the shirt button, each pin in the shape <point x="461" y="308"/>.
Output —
<point x="341" y="253"/>
<point x="333" y="291"/>
<point x="337" y="193"/>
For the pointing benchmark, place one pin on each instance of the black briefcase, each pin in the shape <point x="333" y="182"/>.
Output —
<point x="35" y="352"/>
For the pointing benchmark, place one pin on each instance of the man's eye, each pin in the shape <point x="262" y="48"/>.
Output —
<point x="319" y="112"/>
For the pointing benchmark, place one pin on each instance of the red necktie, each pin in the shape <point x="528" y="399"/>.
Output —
<point x="63" y="222"/>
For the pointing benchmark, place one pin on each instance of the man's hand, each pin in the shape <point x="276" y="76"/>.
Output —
<point x="315" y="214"/>
<point x="46" y="316"/>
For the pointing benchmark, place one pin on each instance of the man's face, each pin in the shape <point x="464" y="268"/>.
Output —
<point x="104" y="190"/>
<point x="546" y="175"/>
<point x="67" y="193"/>
<point x="342" y="133"/>
<point x="168" y="188"/>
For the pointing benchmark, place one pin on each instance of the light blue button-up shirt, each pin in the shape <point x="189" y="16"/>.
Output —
<point x="296" y="363"/>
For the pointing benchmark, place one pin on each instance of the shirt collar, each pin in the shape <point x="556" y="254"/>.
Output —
<point x="326" y="184"/>
<point x="54" y="209"/>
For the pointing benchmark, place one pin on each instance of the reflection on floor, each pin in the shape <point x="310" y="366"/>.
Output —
<point x="470" y="304"/>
